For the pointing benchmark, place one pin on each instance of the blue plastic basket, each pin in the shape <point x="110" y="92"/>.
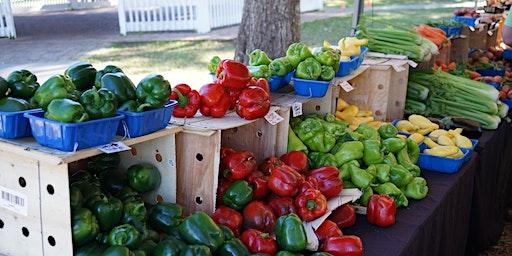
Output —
<point x="364" y="50"/>
<point x="508" y="102"/>
<point x="468" y="21"/>
<point x="470" y="151"/>
<point x="72" y="136"/>
<point x="441" y="164"/>
<point x="491" y="72"/>
<point x="507" y="54"/>
<point x="287" y="78"/>
<point x="136" y="124"/>
<point x="14" y="125"/>
<point x="451" y="31"/>
<point x="275" y="83"/>
<point x="394" y="122"/>
<point x="310" y="88"/>
<point x="347" y="67"/>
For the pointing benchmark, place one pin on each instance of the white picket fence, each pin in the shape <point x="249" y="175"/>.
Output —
<point x="23" y="6"/>
<point x="7" y="28"/>
<point x="180" y="15"/>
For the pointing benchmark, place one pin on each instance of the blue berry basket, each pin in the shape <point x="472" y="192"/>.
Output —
<point x="14" y="125"/>
<point x="468" y="21"/>
<point x="442" y="164"/>
<point x="275" y="83"/>
<point x="72" y="136"/>
<point x="347" y="67"/>
<point x="310" y="88"/>
<point x="467" y="156"/>
<point x="450" y="30"/>
<point x="136" y="124"/>
<point x="287" y="78"/>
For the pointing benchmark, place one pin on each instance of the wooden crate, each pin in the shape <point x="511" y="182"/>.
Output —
<point x="382" y="89"/>
<point x="444" y="55"/>
<point x="478" y="37"/>
<point x="39" y="175"/>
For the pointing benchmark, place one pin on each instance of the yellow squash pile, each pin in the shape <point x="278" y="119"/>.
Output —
<point x="354" y="116"/>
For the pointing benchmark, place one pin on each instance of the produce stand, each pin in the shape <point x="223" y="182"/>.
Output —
<point x="40" y="175"/>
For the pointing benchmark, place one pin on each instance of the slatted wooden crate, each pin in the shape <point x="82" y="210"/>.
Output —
<point x="36" y="178"/>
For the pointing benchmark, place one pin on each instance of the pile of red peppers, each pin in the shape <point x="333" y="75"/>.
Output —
<point x="233" y="89"/>
<point x="281" y="188"/>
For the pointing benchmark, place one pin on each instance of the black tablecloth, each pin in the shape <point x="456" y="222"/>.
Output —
<point x="491" y="188"/>
<point x="436" y="225"/>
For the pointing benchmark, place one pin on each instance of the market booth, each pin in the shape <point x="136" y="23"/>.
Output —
<point x="104" y="166"/>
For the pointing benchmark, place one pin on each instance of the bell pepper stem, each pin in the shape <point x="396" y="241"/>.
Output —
<point x="142" y="107"/>
<point x="182" y="100"/>
<point x="311" y="204"/>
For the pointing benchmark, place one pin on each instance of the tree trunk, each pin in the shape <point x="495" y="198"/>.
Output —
<point x="269" y="25"/>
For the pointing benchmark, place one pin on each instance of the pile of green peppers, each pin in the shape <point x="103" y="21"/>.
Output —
<point x="373" y="160"/>
<point x="17" y="90"/>
<point x="321" y="63"/>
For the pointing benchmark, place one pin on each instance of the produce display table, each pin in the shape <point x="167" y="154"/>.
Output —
<point x="492" y="184"/>
<point x="436" y="225"/>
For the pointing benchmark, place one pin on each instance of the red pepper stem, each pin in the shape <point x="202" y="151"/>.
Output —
<point x="264" y="235"/>
<point x="311" y="204"/>
<point x="182" y="100"/>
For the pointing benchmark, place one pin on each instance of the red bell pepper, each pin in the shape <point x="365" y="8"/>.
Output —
<point x="343" y="246"/>
<point x="269" y="164"/>
<point x="259" y="242"/>
<point x="253" y="103"/>
<point x="258" y="215"/>
<point x="229" y="218"/>
<point x="259" y="183"/>
<point x="214" y="100"/>
<point x="263" y="83"/>
<point x="189" y="101"/>
<point x="311" y="204"/>
<point x="233" y="97"/>
<point x="284" y="181"/>
<point x="238" y="165"/>
<point x="233" y="74"/>
<point x="223" y="186"/>
<point x="282" y="206"/>
<point x="225" y="151"/>
<point x="381" y="210"/>
<point x="344" y="216"/>
<point x="309" y="183"/>
<point x="329" y="180"/>
<point x="296" y="160"/>
<point x="327" y="229"/>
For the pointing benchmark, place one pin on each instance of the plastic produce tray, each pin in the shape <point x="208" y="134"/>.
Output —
<point x="491" y="72"/>
<point x="141" y="123"/>
<point x="451" y="31"/>
<point x="347" y="67"/>
<point x="310" y="88"/>
<point x="72" y="136"/>
<point x="468" y="21"/>
<point x="442" y="164"/>
<point x="14" y="125"/>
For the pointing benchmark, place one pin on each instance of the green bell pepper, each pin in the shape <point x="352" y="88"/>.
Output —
<point x="108" y="211"/>
<point x="102" y="162"/>
<point x="280" y="66"/>
<point x="258" y="57"/>
<point x="372" y="169"/>
<point x="143" y="177"/>
<point x="327" y="73"/>
<point x="228" y="233"/>
<point x="169" y="247"/>
<point x="214" y="64"/>
<point x="99" y="103"/>
<point x="117" y="250"/>
<point x="387" y="131"/>
<point x="120" y="85"/>
<point x="91" y="249"/>
<point x="290" y="233"/>
<point x="372" y="153"/>
<point x="66" y="111"/>
<point x="294" y="143"/>
<point x="312" y="133"/>
<point x="286" y="253"/>
<point x="4" y="87"/>
<point x="23" y="84"/>
<point x="390" y="159"/>
<point x="365" y="197"/>
<point x="76" y="199"/>
<point x="331" y="118"/>
<point x="326" y="56"/>
<point x="165" y="217"/>
<point x="351" y="150"/>
<point x="319" y="159"/>
<point x="262" y="71"/>
<point x="233" y="247"/>
<point x="348" y="184"/>
<point x="382" y="173"/>
<point x="147" y="247"/>
<point x="200" y="229"/>
<point x="309" y="69"/>
<point x="57" y="87"/>
<point x="134" y="211"/>
<point x="124" y="235"/>
<point x="109" y="69"/>
<point x="196" y="250"/>
<point x="392" y="191"/>
<point x="89" y="189"/>
<point x="413" y="150"/>
<point x="368" y="132"/>
<point x="127" y="194"/>
<point x="84" y="225"/>
<point x="416" y="189"/>
<point x="74" y="95"/>
<point x="405" y="161"/>
<point x="238" y="194"/>
<point x="10" y="104"/>
<point x="297" y="52"/>
<point x="152" y="92"/>
<point x="393" y="145"/>
<point x="333" y="126"/>
<point x="130" y="106"/>
<point x="82" y="74"/>
<point x="399" y="176"/>
<point x="345" y="170"/>
<point x="361" y="178"/>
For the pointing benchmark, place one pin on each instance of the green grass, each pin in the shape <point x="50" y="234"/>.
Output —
<point x="193" y="56"/>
